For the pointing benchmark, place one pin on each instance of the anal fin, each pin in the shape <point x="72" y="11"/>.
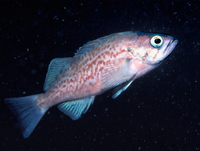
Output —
<point x="75" y="108"/>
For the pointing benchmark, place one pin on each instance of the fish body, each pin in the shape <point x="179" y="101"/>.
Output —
<point x="113" y="61"/>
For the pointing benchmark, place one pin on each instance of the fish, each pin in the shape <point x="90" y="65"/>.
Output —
<point x="109" y="62"/>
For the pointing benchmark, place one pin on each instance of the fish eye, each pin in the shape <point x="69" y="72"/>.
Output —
<point x="156" y="41"/>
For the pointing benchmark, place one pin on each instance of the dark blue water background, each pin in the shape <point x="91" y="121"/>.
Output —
<point x="160" y="111"/>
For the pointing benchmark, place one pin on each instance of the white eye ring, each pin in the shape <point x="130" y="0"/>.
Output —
<point x="156" y="41"/>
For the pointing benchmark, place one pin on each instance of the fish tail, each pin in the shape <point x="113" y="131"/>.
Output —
<point x="27" y="111"/>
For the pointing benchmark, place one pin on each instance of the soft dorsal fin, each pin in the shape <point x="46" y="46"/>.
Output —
<point x="55" y="68"/>
<point x="75" y="108"/>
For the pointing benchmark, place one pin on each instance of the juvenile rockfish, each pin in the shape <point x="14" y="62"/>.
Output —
<point x="72" y="83"/>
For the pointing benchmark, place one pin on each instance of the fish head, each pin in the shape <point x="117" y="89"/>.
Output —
<point x="152" y="48"/>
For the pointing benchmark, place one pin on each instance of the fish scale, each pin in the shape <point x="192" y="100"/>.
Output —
<point x="113" y="61"/>
<point x="93" y="62"/>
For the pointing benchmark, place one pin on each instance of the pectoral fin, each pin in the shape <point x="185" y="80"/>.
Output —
<point x="116" y="72"/>
<point x="118" y="90"/>
<point x="75" y="108"/>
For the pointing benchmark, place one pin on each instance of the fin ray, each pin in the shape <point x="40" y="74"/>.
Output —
<point x="116" y="72"/>
<point x="118" y="90"/>
<point x="94" y="44"/>
<point x="75" y="108"/>
<point x="27" y="112"/>
<point x="56" y="67"/>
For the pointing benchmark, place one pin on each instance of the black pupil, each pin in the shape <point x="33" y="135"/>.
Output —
<point x="157" y="41"/>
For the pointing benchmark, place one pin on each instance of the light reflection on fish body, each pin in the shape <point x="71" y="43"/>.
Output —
<point x="113" y="61"/>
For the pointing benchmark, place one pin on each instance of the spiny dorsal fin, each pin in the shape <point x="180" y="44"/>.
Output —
<point x="55" y="68"/>
<point x="92" y="45"/>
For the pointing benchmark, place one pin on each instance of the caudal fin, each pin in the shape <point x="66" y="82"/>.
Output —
<point x="27" y="111"/>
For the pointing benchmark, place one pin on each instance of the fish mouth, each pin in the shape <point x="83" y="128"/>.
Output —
<point x="170" y="47"/>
